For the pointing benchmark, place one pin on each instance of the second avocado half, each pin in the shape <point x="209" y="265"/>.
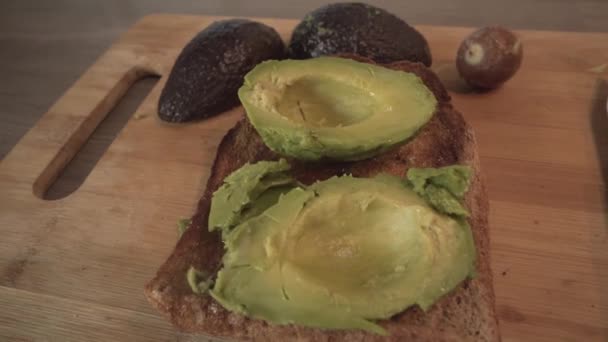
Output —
<point x="361" y="29"/>
<point x="334" y="108"/>
<point x="210" y="69"/>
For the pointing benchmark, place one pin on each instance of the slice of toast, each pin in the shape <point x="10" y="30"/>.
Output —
<point x="465" y="314"/>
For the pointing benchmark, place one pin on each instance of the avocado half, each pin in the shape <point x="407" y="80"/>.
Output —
<point x="210" y="69"/>
<point x="340" y="253"/>
<point x="360" y="29"/>
<point x="334" y="108"/>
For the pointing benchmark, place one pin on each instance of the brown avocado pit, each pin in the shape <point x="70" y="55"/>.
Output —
<point x="489" y="57"/>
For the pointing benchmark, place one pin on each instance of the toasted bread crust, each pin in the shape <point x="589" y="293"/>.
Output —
<point x="465" y="314"/>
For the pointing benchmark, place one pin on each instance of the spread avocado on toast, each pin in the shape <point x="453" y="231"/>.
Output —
<point x="374" y="228"/>
<point x="340" y="252"/>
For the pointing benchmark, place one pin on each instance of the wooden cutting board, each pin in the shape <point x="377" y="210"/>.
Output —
<point x="74" y="268"/>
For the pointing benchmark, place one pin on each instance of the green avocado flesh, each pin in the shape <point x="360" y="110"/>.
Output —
<point x="334" y="108"/>
<point x="239" y="196"/>
<point x="338" y="254"/>
<point x="443" y="188"/>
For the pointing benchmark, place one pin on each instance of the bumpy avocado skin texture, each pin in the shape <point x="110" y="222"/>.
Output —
<point x="359" y="29"/>
<point x="210" y="69"/>
<point x="334" y="108"/>
<point x="344" y="252"/>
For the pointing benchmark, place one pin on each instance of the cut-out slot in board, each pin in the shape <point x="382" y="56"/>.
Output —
<point x="64" y="129"/>
<point x="76" y="171"/>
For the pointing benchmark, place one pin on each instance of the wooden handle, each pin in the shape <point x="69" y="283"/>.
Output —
<point x="60" y="133"/>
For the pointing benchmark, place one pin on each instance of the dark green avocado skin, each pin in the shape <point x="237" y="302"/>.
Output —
<point x="359" y="29"/>
<point x="210" y="69"/>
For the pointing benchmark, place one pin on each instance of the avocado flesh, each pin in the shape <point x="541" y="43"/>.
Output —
<point x="442" y="188"/>
<point x="320" y="101"/>
<point x="341" y="253"/>
<point x="334" y="108"/>
<point x="239" y="195"/>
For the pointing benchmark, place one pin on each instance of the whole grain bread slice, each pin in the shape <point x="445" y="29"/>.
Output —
<point x="465" y="314"/>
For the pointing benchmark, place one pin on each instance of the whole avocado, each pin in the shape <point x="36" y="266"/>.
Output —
<point x="210" y="69"/>
<point x="361" y="29"/>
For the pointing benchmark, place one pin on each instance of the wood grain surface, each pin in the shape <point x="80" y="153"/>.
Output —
<point x="73" y="269"/>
